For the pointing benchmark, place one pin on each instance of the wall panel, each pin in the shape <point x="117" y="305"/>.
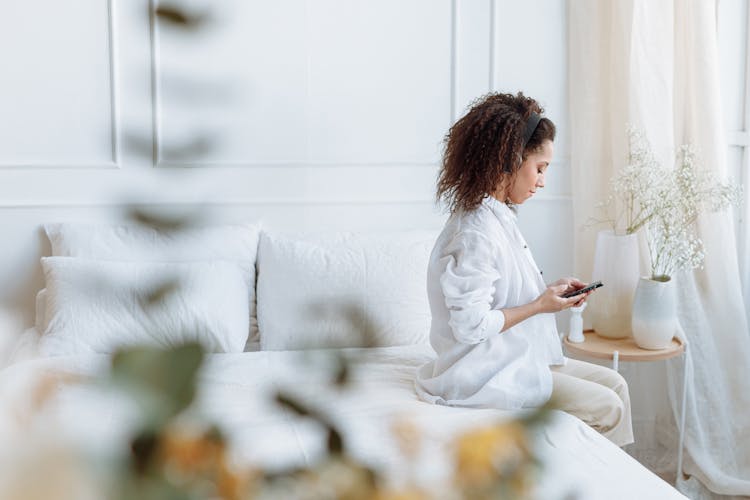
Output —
<point x="733" y="22"/>
<point x="339" y="108"/>
<point x="473" y="27"/>
<point x="57" y="99"/>
<point x="326" y="82"/>
<point x="732" y="25"/>
<point x="530" y="55"/>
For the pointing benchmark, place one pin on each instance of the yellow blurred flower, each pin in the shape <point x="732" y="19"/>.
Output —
<point x="49" y="384"/>
<point x="408" y="437"/>
<point x="494" y="456"/>
<point x="45" y="470"/>
<point x="191" y="453"/>
<point x="400" y="495"/>
<point x="344" y="478"/>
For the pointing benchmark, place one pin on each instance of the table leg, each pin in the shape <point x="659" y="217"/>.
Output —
<point x="682" y="414"/>
<point x="616" y="361"/>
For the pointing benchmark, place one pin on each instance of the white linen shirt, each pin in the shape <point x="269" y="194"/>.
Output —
<point x="479" y="265"/>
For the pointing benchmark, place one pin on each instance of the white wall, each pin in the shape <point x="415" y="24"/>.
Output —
<point x="305" y="114"/>
<point x="319" y="114"/>
<point x="733" y="24"/>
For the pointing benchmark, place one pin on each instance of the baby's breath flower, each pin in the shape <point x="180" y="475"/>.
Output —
<point x="666" y="202"/>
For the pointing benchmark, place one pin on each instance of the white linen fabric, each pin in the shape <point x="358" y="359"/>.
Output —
<point x="236" y="392"/>
<point x="40" y="322"/>
<point x="654" y="65"/>
<point x="343" y="289"/>
<point x="479" y="265"/>
<point x="25" y="347"/>
<point x="237" y="243"/>
<point x="597" y="395"/>
<point x="98" y="306"/>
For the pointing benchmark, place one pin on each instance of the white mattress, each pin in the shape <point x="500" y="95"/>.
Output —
<point x="236" y="392"/>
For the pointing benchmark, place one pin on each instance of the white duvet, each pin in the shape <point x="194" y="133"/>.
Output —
<point x="236" y="391"/>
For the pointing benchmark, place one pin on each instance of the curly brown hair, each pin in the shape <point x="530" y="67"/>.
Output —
<point x="484" y="149"/>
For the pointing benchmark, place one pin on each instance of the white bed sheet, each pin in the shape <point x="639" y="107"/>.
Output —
<point x="236" y="392"/>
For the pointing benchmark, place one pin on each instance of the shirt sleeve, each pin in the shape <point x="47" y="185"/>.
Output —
<point x="467" y="285"/>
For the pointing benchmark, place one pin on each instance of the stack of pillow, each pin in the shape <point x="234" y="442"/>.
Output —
<point x="102" y="288"/>
<point x="113" y="286"/>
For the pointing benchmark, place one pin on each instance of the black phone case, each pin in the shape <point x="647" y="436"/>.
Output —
<point x="580" y="291"/>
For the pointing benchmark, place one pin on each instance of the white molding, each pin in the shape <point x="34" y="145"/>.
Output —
<point x="114" y="112"/>
<point x="563" y="161"/>
<point x="746" y="104"/>
<point x="114" y="101"/>
<point x="155" y="89"/>
<point x="743" y="226"/>
<point x="493" y="43"/>
<point x="156" y="106"/>
<point x="35" y="205"/>
<point x="454" y="60"/>
<point x="739" y="138"/>
<point x="265" y="164"/>
<point x="210" y="203"/>
<point x="60" y="166"/>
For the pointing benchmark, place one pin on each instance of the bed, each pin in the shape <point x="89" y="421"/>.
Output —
<point x="236" y="389"/>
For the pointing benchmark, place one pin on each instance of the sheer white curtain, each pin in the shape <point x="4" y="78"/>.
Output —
<point x="654" y="64"/>
<point x="744" y="247"/>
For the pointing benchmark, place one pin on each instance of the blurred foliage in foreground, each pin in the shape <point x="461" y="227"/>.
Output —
<point x="172" y="457"/>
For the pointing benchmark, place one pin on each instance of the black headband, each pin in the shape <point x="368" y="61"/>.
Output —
<point x="531" y="126"/>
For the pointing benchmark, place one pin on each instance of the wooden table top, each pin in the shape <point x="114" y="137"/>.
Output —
<point x="603" y="348"/>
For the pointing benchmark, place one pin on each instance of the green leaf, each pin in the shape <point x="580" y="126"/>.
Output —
<point x="342" y="376"/>
<point x="335" y="442"/>
<point x="142" y="450"/>
<point x="162" y="292"/>
<point x="161" y="381"/>
<point x="159" y="221"/>
<point x="291" y="403"/>
<point x="179" y="18"/>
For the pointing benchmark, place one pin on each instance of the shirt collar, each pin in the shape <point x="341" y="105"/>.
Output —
<point x="501" y="210"/>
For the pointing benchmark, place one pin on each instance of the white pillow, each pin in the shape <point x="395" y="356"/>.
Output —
<point x="98" y="306"/>
<point x="238" y="243"/>
<point x="308" y="287"/>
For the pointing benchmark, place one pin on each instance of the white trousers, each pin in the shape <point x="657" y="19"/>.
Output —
<point x="597" y="395"/>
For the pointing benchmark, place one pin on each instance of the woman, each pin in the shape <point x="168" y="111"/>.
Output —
<point x="493" y="326"/>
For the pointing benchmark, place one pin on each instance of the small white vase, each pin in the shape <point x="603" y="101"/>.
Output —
<point x="654" y="313"/>
<point x="616" y="265"/>
<point x="575" y="329"/>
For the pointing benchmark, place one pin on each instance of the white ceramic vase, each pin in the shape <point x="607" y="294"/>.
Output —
<point x="616" y="265"/>
<point x="654" y="314"/>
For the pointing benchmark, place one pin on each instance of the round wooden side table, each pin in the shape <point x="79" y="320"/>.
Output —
<point x="626" y="349"/>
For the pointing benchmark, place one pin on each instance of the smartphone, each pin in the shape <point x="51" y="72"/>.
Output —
<point x="573" y="293"/>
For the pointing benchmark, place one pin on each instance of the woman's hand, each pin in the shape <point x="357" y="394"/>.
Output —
<point x="570" y="283"/>
<point x="548" y="302"/>
<point x="551" y="301"/>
